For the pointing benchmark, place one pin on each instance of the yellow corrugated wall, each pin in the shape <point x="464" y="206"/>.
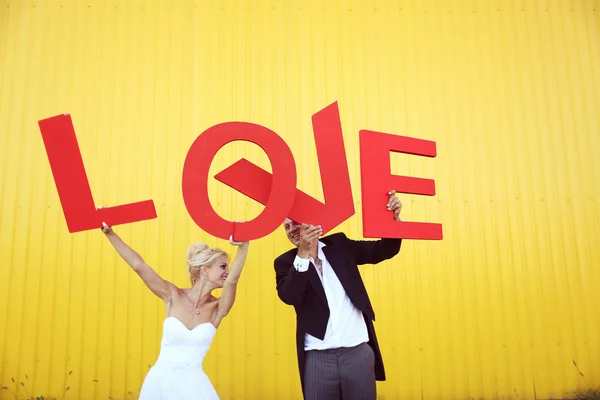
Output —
<point x="502" y="308"/>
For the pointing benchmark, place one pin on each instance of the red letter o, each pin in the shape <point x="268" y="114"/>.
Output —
<point x="195" y="178"/>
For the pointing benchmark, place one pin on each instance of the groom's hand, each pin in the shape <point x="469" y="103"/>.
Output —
<point x="308" y="234"/>
<point x="394" y="205"/>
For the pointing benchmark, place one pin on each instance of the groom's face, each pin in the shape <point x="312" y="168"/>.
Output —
<point x="292" y="231"/>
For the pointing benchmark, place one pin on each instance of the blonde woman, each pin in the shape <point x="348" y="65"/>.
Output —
<point x="193" y="316"/>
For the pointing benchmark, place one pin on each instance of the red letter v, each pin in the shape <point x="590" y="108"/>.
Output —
<point x="255" y="182"/>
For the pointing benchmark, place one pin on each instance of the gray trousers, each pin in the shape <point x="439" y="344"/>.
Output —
<point x="340" y="374"/>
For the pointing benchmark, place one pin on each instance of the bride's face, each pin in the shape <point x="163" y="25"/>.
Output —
<point x="218" y="271"/>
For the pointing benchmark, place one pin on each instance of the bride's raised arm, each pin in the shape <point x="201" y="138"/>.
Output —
<point x="155" y="283"/>
<point x="230" y="286"/>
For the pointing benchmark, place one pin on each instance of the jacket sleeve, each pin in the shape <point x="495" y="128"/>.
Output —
<point x="291" y="283"/>
<point x="373" y="251"/>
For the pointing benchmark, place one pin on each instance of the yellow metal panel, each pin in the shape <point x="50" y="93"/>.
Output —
<point x="502" y="308"/>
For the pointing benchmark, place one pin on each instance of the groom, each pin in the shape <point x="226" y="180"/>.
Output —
<point x="338" y="354"/>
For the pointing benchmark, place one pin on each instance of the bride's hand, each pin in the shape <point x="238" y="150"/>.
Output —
<point x="236" y="243"/>
<point x="231" y="241"/>
<point x="105" y="227"/>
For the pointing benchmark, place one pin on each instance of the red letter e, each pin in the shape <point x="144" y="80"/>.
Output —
<point x="377" y="181"/>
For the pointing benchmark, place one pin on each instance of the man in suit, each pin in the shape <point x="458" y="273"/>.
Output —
<point x="338" y="354"/>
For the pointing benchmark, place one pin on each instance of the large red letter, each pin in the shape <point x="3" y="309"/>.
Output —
<point x="376" y="181"/>
<point x="254" y="182"/>
<point x="72" y="184"/>
<point x="278" y="192"/>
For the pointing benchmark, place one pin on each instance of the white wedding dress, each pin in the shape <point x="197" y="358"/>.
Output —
<point x="177" y="373"/>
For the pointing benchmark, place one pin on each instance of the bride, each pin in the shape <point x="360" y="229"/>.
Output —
<point x="193" y="315"/>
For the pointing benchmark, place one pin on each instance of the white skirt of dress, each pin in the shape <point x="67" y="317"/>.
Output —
<point x="165" y="383"/>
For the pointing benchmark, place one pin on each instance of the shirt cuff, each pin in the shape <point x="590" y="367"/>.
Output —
<point x="301" y="264"/>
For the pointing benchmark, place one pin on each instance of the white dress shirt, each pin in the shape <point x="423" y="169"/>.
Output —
<point x="346" y="326"/>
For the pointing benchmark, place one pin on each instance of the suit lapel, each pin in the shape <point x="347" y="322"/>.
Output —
<point x="337" y="264"/>
<point x="314" y="279"/>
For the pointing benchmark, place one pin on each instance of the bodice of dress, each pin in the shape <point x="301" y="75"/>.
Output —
<point x="182" y="347"/>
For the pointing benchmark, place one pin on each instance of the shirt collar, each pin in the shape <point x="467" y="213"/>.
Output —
<point x="320" y="252"/>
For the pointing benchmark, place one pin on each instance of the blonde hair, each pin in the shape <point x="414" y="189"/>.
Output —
<point x="199" y="255"/>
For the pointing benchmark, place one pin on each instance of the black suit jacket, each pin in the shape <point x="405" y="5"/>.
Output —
<point x="304" y="290"/>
